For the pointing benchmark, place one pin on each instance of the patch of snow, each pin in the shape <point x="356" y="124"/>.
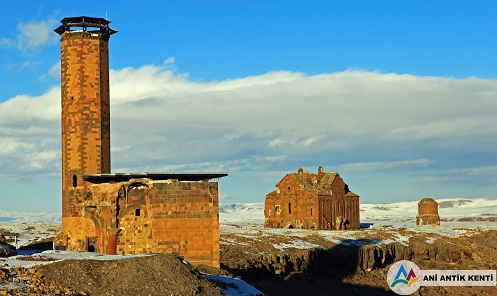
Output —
<point x="17" y="261"/>
<point x="430" y="240"/>
<point x="239" y="212"/>
<point x="296" y="244"/>
<point x="448" y="208"/>
<point x="234" y="286"/>
<point x="27" y="233"/>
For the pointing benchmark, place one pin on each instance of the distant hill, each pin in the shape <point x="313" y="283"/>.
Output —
<point x="449" y="209"/>
<point x="21" y="217"/>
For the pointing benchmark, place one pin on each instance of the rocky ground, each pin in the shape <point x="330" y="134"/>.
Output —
<point x="354" y="266"/>
<point x="277" y="262"/>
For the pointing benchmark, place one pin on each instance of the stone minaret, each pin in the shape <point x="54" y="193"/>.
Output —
<point x="85" y="117"/>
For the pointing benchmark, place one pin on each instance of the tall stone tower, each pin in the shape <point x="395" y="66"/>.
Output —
<point x="85" y="118"/>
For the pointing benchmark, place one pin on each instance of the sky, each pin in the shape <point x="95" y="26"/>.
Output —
<point x="398" y="97"/>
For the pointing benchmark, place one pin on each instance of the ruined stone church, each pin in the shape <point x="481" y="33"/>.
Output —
<point x="128" y="213"/>
<point x="312" y="201"/>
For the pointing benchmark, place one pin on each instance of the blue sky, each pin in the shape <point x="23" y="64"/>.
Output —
<point x="399" y="97"/>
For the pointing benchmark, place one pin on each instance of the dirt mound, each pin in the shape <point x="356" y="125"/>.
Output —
<point x="151" y="275"/>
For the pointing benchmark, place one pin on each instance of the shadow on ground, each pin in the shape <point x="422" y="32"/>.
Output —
<point x="333" y="271"/>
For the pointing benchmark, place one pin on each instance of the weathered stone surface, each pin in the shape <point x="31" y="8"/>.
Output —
<point x="439" y="250"/>
<point x="312" y="201"/>
<point x="7" y="250"/>
<point x="427" y="212"/>
<point x="345" y="259"/>
<point x="132" y="217"/>
<point x="378" y="256"/>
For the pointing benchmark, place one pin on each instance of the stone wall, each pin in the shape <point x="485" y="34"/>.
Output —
<point x="144" y="217"/>
<point x="177" y="217"/>
<point x="312" y="206"/>
<point x="135" y="217"/>
<point x="291" y="207"/>
<point x="85" y="122"/>
<point x="427" y="212"/>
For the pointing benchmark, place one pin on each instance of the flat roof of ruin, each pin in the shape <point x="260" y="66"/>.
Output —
<point x="123" y="177"/>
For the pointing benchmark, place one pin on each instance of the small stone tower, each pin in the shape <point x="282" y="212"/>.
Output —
<point x="85" y="105"/>
<point x="427" y="212"/>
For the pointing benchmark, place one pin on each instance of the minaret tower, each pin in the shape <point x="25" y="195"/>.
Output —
<point x="85" y="117"/>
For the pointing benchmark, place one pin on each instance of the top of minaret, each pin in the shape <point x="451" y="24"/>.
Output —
<point x="82" y="23"/>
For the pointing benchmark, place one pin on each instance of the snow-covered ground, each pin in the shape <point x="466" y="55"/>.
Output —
<point x="449" y="208"/>
<point x="386" y="220"/>
<point x="234" y="286"/>
<point x="19" y="217"/>
<point x="247" y="219"/>
<point x="406" y="211"/>
<point x="29" y="232"/>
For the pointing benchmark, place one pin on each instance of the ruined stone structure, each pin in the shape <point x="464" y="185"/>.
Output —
<point x="427" y="212"/>
<point x="85" y="126"/>
<point x="312" y="201"/>
<point x="121" y="213"/>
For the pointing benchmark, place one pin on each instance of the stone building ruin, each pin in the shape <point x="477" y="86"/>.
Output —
<point x="132" y="213"/>
<point x="312" y="201"/>
<point x="427" y="212"/>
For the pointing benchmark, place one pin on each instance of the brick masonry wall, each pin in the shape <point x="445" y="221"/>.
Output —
<point x="297" y="208"/>
<point x="152" y="217"/>
<point x="85" y="125"/>
<point x="170" y="216"/>
<point x="427" y="212"/>
<point x="301" y="208"/>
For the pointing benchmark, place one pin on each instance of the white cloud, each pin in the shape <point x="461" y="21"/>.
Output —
<point x="376" y="166"/>
<point x="290" y="111"/>
<point x="31" y="112"/>
<point x="6" y="43"/>
<point x="42" y="160"/>
<point x="9" y="146"/>
<point x="354" y="120"/>
<point x="34" y="34"/>
<point x="463" y="175"/>
<point x="55" y="70"/>
<point x="30" y="134"/>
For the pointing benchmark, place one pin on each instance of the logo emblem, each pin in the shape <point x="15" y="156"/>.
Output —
<point x="404" y="277"/>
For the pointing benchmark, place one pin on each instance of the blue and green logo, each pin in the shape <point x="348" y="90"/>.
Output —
<point x="402" y="277"/>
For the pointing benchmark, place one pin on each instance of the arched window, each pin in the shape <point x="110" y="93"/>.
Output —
<point x="277" y="209"/>
<point x="74" y="181"/>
